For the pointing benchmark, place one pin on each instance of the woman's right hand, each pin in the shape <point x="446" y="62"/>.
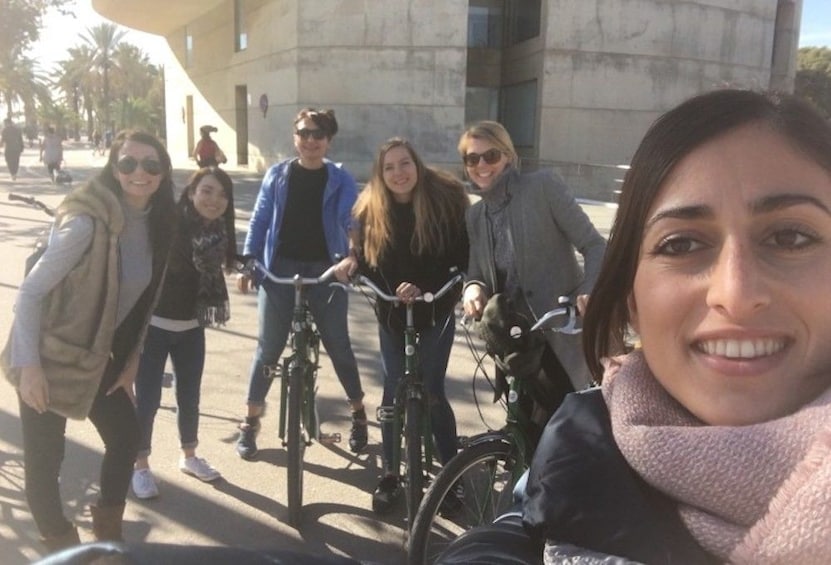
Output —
<point x="474" y="301"/>
<point x="346" y="269"/>
<point x="33" y="389"/>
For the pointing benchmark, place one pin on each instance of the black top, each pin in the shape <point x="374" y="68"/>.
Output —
<point x="178" y="298"/>
<point x="12" y="139"/>
<point x="428" y="272"/>
<point x="301" y="232"/>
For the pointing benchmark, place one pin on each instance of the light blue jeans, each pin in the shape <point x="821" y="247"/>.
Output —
<point x="275" y="309"/>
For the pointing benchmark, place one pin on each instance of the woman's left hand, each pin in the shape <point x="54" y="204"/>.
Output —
<point x="126" y="379"/>
<point x="407" y="292"/>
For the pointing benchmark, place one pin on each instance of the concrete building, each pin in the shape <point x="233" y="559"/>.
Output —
<point x="576" y="82"/>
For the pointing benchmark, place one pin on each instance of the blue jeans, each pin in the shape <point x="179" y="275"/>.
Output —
<point x="433" y="352"/>
<point x="329" y="309"/>
<point x="187" y="354"/>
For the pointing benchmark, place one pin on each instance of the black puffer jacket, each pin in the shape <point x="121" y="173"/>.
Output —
<point x="583" y="496"/>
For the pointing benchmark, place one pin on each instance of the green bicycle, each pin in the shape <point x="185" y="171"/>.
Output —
<point x="298" y="419"/>
<point x="485" y="470"/>
<point x="409" y="413"/>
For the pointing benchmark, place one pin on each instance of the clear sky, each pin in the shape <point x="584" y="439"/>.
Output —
<point x="815" y="29"/>
<point x="57" y="36"/>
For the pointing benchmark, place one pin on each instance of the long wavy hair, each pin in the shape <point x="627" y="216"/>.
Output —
<point x="162" y="217"/>
<point x="672" y="137"/>
<point x="228" y="217"/>
<point x="439" y="204"/>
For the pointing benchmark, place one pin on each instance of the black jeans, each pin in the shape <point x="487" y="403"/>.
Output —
<point x="43" y="450"/>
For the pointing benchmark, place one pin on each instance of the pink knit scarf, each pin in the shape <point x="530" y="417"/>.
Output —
<point x="755" y="494"/>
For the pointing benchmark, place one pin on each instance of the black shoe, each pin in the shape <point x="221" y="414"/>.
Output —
<point x="358" y="434"/>
<point x="247" y="442"/>
<point x="453" y="500"/>
<point x="386" y="495"/>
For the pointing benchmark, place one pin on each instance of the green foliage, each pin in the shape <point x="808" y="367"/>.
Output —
<point x="813" y="77"/>
<point x="20" y="24"/>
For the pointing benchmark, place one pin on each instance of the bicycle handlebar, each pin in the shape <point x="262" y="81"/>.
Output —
<point x="31" y="201"/>
<point x="426" y="297"/>
<point x="566" y="309"/>
<point x="295" y="280"/>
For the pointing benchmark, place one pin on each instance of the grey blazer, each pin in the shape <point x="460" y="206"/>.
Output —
<point x="546" y="225"/>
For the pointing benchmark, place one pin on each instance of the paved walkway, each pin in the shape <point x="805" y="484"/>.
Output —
<point x="247" y="507"/>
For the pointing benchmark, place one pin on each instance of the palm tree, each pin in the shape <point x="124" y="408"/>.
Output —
<point x="20" y="82"/>
<point x="103" y="39"/>
<point x="75" y="80"/>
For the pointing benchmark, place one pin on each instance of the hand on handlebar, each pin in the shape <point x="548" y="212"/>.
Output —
<point x="474" y="301"/>
<point x="346" y="269"/>
<point x="407" y="292"/>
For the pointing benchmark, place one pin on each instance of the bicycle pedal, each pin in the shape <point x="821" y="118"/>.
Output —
<point x="273" y="371"/>
<point x="328" y="438"/>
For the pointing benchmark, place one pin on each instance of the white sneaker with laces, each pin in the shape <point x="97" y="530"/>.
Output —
<point x="199" y="468"/>
<point x="144" y="484"/>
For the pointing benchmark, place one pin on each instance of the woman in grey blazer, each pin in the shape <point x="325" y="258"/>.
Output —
<point x="523" y="233"/>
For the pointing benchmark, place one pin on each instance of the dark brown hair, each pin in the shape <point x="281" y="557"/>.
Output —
<point x="324" y="119"/>
<point x="228" y="217"/>
<point x="671" y="138"/>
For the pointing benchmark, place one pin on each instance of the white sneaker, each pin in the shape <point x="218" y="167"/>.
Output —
<point x="199" y="468"/>
<point x="144" y="484"/>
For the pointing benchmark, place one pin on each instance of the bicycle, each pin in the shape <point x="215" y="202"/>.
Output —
<point x="298" y="418"/>
<point x="43" y="237"/>
<point x="410" y="410"/>
<point x="487" y="468"/>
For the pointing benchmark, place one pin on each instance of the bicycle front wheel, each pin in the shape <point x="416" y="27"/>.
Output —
<point x="415" y="467"/>
<point x="473" y="489"/>
<point x="295" y="443"/>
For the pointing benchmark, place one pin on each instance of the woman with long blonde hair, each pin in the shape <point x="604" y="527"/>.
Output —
<point x="409" y="233"/>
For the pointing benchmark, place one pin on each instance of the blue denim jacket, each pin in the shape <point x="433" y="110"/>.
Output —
<point x="267" y="217"/>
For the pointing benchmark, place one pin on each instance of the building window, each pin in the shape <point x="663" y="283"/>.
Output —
<point x="240" y="29"/>
<point x="188" y="48"/>
<point x="484" y="24"/>
<point x="519" y="112"/>
<point x="481" y="103"/>
<point x="524" y="20"/>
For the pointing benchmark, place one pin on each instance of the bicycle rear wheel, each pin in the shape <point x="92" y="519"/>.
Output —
<point x="486" y="472"/>
<point x="415" y="467"/>
<point x="296" y="442"/>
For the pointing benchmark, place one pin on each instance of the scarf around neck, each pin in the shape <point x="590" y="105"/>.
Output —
<point x="209" y="242"/>
<point x="757" y="494"/>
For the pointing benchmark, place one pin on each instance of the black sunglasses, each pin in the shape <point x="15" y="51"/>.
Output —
<point x="127" y="165"/>
<point x="305" y="133"/>
<point x="491" y="157"/>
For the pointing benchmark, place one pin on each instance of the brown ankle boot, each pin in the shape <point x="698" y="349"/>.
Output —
<point x="62" y="541"/>
<point x="106" y="522"/>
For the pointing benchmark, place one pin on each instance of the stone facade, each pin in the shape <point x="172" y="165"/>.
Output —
<point x="580" y="93"/>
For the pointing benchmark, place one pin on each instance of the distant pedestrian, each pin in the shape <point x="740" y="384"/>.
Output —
<point x="193" y="297"/>
<point x="12" y="139"/>
<point x="51" y="152"/>
<point x="207" y="152"/>
<point x="96" y="143"/>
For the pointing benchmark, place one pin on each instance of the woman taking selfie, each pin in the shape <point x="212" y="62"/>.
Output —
<point x="711" y="442"/>
<point x="80" y="318"/>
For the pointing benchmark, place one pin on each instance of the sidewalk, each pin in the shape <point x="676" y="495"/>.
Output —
<point x="247" y="508"/>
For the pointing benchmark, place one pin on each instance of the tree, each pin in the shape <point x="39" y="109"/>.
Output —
<point x="103" y="39"/>
<point x="813" y="77"/>
<point x="75" y="80"/>
<point x="20" y="24"/>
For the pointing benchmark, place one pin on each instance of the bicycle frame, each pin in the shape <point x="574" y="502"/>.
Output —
<point x="411" y="386"/>
<point x="304" y="356"/>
